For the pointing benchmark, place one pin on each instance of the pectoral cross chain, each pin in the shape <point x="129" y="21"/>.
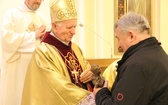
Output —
<point x="74" y="72"/>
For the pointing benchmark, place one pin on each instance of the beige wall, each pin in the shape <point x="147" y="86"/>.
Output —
<point x="164" y="24"/>
<point x="92" y="12"/>
<point x="160" y="22"/>
<point x="98" y="16"/>
<point x="96" y="37"/>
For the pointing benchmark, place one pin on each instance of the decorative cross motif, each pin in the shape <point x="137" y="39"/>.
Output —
<point x="73" y="67"/>
<point x="32" y="27"/>
<point x="76" y="73"/>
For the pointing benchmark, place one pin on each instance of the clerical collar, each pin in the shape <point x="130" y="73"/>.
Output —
<point x="66" y="43"/>
<point x="23" y="7"/>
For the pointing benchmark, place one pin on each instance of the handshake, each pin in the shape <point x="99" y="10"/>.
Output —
<point x="97" y="79"/>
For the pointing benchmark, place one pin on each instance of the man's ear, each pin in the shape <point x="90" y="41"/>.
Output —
<point x="54" y="25"/>
<point x="132" y="35"/>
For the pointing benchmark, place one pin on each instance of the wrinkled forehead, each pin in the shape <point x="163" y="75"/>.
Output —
<point x="67" y="23"/>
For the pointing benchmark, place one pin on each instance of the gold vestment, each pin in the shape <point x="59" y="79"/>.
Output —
<point x="48" y="81"/>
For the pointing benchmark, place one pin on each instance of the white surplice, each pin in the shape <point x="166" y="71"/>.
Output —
<point x="18" y="43"/>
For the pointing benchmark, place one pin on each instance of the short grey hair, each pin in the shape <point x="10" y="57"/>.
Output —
<point x="133" y="21"/>
<point x="59" y="23"/>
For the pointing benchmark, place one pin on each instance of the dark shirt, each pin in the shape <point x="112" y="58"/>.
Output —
<point x="142" y="77"/>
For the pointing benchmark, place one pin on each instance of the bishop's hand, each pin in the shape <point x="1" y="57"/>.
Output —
<point x="86" y="76"/>
<point x="40" y="32"/>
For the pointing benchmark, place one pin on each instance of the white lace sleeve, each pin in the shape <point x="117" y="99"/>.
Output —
<point x="89" y="100"/>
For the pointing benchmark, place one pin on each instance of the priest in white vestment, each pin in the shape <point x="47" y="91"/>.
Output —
<point x="22" y="27"/>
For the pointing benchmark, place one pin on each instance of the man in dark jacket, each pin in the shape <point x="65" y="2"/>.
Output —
<point x="142" y="73"/>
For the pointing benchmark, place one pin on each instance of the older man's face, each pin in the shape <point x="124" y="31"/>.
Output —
<point x="66" y="30"/>
<point x="123" y="40"/>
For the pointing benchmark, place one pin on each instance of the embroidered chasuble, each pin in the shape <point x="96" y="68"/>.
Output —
<point x="53" y="74"/>
<point x="70" y="59"/>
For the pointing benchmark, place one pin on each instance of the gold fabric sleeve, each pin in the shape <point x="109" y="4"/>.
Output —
<point x="110" y="74"/>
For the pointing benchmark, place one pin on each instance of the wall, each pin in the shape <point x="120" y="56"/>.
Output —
<point x="163" y="35"/>
<point x="159" y="22"/>
<point x="98" y="16"/>
<point x="96" y="37"/>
